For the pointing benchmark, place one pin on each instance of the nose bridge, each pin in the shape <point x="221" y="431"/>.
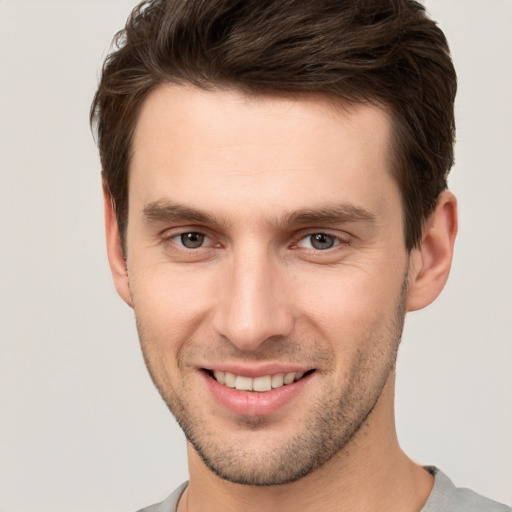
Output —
<point x="253" y="306"/>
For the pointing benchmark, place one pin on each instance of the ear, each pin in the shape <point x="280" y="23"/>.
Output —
<point x="114" y="250"/>
<point x="430" y="263"/>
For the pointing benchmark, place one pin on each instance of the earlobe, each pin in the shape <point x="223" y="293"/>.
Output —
<point x="430" y="263"/>
<point x="114" y="250"/>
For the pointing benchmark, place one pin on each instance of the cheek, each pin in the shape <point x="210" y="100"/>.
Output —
<point x="169" y="304"/>
<point x="351" y="306"/>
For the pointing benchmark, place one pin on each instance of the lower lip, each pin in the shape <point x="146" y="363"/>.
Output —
<point x="255" y="403"/>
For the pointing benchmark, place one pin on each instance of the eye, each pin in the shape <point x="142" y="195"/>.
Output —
<point x="319" y="241"/>
<point x="191" y="240"/>
<point x="184" y="246"/>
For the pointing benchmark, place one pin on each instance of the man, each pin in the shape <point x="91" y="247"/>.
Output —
<point x="275" y="202"/>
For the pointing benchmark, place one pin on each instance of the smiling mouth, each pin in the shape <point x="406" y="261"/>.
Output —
<point x="258" y="384"/>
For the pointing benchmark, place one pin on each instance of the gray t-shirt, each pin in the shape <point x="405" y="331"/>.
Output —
<point x="445" y="497"/>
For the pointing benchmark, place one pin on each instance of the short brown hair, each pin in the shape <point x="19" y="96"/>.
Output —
<point x="387" y="52"/>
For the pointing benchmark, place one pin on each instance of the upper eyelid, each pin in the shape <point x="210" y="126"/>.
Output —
<point x="177" y="234"/>
<point x="171" y="232"/>
<point x="174" y="232"/>
<point x="172" y="242"/>
<point x="305" y="233"/>
<point x="340" y="242"/>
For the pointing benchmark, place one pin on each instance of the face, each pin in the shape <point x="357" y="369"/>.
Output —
<point x="267" y="269"/>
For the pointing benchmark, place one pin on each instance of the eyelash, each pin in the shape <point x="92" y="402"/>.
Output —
<point x="174" y="240"/>
<point x="336" y="241"/>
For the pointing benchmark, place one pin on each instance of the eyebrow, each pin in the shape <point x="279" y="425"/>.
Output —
<point x="343" y="213"/>
<point x="169" y="211"/>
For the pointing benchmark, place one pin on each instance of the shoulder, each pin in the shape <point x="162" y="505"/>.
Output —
<point x="169" y="504"/>
<point x="445" y="497"/>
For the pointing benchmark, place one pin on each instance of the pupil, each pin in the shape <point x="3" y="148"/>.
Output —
<point x="192" y="240"/>
<point x="322" y="241"/>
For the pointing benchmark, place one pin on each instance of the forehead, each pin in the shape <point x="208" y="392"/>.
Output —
<point x="221" y="149"/>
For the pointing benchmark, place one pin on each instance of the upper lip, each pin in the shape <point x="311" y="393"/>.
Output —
<point x="257" y="370"/>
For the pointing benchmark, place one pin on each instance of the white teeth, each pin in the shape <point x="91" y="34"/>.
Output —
<point x="289" y="378"/>
<point x="243" y="383"/>
<point x="229" y="380"/>
<point x="260" y="384"/>
<point x="277" y="380"/>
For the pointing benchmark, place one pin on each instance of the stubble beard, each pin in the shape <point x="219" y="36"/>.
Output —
<point x="328" y="429"/>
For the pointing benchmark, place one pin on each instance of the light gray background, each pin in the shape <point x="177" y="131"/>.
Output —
<point x="81" y="427"/>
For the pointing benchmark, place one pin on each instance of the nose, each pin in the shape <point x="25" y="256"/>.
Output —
<point x="252" y="305"/>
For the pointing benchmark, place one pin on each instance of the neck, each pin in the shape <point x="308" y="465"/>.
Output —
<point x="370" y="473"/>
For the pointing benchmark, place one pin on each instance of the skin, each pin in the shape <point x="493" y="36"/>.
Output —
<point x="258" y="177"/>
